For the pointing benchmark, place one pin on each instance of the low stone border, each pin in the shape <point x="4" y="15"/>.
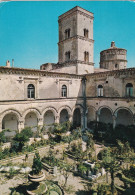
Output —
<point x="22" y="157"/>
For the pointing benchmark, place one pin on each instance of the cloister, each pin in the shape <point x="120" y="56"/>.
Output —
<point x="14" y="120"/>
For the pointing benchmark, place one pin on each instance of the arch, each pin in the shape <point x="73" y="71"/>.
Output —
<point x="124" y="116"/>
<point x="8" y="111"/>
<point x="31" y="120"/>
<point x="91" y="115"/>
<point x="77" y="117"/>
<point x="64" y="116"/>
<point x="107" y="107"/>
<point x="65" y="107"/>
<point x="35" y="110"/>
<point x="50" y="108"/>
<point x="49" y="117"/>
<point x="77" y="106"/>
<point x="30" y="91"/>
<point x="105" y="115"/>
<point x="10" y="121"/>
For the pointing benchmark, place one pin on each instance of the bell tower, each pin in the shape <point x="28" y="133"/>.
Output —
<point x="76" y="41"/>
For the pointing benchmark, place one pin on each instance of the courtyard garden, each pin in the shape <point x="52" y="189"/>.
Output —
<point x="62" y="160"/>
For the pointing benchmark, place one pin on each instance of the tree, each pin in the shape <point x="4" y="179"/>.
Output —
<point x="59" y="129"/>
<point x="21" y="138"/>
<point x="37" y="165"/>
<point x="111" y="165"/>
<point x="65" y="169"/>
<point x="2" y="136"/>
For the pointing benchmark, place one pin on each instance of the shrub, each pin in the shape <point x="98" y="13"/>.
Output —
<point x="37" y="165"/>
<point x="21" y="138"/>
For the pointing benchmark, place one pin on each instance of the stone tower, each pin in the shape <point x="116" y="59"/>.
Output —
<point x="113" y="58"/>
<point x="76" y="41"/>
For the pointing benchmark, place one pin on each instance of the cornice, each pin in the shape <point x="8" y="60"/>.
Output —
<point x="69" y="14"/>
<point x="127" y="71"/>
<point x="121" y="60"/>
<point x="35" y="72"/>
<point x="76" y="37"/>
<point x="74" y="62"/>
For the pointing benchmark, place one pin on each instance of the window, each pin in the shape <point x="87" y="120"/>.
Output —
<point x="67" y="33"/>
<point x="86" y="56"/>
<point x="31" y="91"/>
<point x="86" y="33"/>
<point x="116" y="65"/>
<point x="67" y="56"/>
<point x="64" y="91"/>
<point x="129" y="90"/>
<point x="100" y="91"/>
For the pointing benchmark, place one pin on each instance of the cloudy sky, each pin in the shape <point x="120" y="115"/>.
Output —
<point x="29" y="30"/>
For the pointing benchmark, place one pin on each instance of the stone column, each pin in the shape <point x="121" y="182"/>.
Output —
<point x="134" y="119"/>
<point x="0" y="125"/>
<point x="70" y="118"/>
<point x="20" y="125"/>
<point x="57" y="119"/>
<point x="114" y="121"/>
<point x="40" y="121"/>
<point x="97" y="116"/>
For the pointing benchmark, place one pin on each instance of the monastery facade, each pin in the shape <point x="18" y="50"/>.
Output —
<point x="72" y="89"/>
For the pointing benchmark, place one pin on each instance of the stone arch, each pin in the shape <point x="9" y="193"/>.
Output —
<point x="91" y="114"/>
<point x="107" y="107"/>
<point x="124" y="116"/>
<point x="31" y="118"/>
<point x="49" y="117"/>
<point x="78" y="106"/>
<point x="10" y="120"/>
<point x="35" y="110"/>
<point x="77" y="117"/>
<point x="64" y="116"/>
<point x="105" y="114"/>
<point x="66" y="108"/>
<point x="51" y="109"/>
<point x="8" y="111"/>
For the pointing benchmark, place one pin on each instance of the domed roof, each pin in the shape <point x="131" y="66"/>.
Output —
<point x="113" y="47"/>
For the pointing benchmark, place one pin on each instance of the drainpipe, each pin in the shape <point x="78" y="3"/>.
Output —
<point x="84" y="104"/>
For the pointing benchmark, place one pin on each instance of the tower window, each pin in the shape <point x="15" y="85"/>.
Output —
<point x="31" y="91"/>
<point x="129" y="90"/>
<point x="100" y="91"/>
<point x="67" y="56"/>
<point x="67" y="33"/>
<point x="86" y="33"/>
<point x="86" y="56"/>
<point x="116" y="65"/>
<point x="64" y="91"/>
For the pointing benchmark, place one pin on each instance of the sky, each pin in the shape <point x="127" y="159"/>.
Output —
<point x="29" y="30"/>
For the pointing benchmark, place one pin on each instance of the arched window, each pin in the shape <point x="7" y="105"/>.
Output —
<point x="86" y="56"/>
<point x="100" y="91"/>
<point x="64" y="91"/>
<point x="31" y="91"/>
<point x="86" y="33"/>
<point x="67" y="56"/>
<point x="129" y="90"/>
<point x="67" y="33"/>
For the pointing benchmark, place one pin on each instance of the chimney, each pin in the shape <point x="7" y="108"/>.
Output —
<point x="112" y="44"/>
<point x="12" y="62"/>
<point x="7" y="63"/>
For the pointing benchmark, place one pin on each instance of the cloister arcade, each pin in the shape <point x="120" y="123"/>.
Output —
<point x="13" y="120"/>
<point x="121" y="115"/>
